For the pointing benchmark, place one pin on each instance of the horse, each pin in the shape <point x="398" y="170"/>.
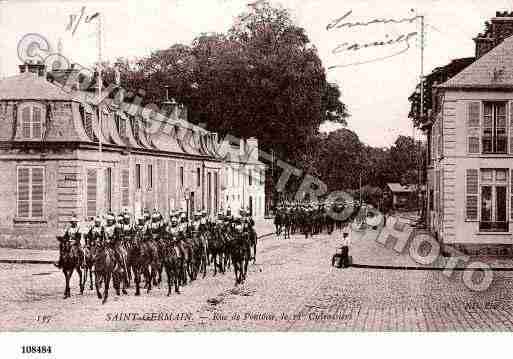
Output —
<point x="106" y="266"/>
<point x="253" y="239"/>
<point x="172" y="263"/>
<point x="140" y="259"/>
<point x="278" y="222"/>
<point x="72" y="258"/>
<point x="240" y="253"/>
<point x="89" y="253"/>
<point x="217" y="249"/>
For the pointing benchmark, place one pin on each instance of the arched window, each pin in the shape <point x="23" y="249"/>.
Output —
<point x="32" y="122"/>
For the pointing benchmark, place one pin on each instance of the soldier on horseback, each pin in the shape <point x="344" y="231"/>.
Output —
<point x="72" y="233"/>
<point x="95" y="233"/>
<point x="126" y="230"/>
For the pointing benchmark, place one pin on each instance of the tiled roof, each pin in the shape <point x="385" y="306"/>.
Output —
<point x="494" y="70"/>
<point x="30" y="86"/>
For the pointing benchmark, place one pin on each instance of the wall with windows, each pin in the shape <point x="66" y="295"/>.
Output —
<point x="29" y="207"/>
<point x="244" y="187"/>
<point x="472" y="173"/>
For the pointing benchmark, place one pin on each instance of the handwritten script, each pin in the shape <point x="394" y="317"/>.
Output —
<point x="402" y="39"/>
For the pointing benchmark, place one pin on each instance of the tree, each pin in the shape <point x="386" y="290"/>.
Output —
<point x="263" y="78"/>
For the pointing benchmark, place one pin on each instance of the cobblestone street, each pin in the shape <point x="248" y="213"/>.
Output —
<point x="291" y="287"/>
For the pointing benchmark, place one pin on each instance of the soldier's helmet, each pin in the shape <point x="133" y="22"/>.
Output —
<point x="146" y="214"/>
<point x="126" y="217"/>
<point x="110" y="218"/>
<point x="97" y="220"/>
<point x="155" y="216"/>
<point x="204" y="212"/>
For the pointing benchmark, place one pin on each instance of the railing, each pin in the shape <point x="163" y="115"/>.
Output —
<point x="494" y="226"/>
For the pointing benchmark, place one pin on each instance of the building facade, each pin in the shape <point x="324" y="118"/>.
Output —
<point x="58" y="159"/>
<point x="470" y="179"/>
<point x="243" y="178"/>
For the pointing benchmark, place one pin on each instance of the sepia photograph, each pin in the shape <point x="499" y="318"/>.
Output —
<point x="215" y="166"/>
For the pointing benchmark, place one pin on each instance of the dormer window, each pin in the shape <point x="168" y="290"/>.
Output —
<point x="32" y="122"/>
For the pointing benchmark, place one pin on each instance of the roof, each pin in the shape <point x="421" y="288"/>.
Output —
<point x="30" y="86"/>
<point x="494" y="70"/>
<point x="397" y="187"/>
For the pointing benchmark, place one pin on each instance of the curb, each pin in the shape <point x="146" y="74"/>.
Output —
<point x="25" y="261"/>
<point x="372" y="266"/>
<point x="36" y="261"/>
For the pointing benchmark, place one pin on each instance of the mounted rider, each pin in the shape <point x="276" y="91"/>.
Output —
<point x="155" y="226"/>
<point x="95" y="233"/>
<point x="111" y="230"/>
<point x="173" y="234"/>
<point x="127" y="230"/>
<point x="72" y="233"/>
<point x="140" y="227"/>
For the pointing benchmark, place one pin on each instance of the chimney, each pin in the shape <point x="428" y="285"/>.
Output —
<point x="252" y="148"/>
<point x="169" y="107"/>
<point x="23" y="68"/>
<point x="496" y="30"/>
<point x="37" y="68"/>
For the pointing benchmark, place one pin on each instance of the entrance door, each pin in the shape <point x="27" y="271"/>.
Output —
<point x="192" y="207"/>
<point x="494" y="209"/>
<point x="108" y="189"/>
<point x="500" y="208"/>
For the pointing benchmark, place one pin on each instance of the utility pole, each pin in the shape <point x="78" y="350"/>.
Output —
<point x="100" y="115"/>
<point x="419" y="157"/>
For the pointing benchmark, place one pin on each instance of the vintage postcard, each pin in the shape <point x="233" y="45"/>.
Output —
<point x="268" y="166"/>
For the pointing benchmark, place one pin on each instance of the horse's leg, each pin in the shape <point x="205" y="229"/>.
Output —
<point x="254" y="249"/>
<point x="214" y="261"/>
<point x="125" y="283"/>
<point x="91" y="278"/>
<point x="176" y="276"/>
<point x="81" y="281"/>
<point x="106" y="286"/>
<point x="97" y="282"/>
<point x="66" y="277"/>
<point x="116" y="281"/>
<point x="148" y="273"/>
<point x="168" y="273"/>
<point x="204" y="262"/>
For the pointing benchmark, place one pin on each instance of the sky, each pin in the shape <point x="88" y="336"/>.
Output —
<point x="375" y="81"/>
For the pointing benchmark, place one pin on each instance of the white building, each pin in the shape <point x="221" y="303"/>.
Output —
<point x="243" y="178"/>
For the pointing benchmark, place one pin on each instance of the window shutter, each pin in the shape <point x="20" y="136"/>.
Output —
<point x="472" y="193"/>
<point x="125" y="182"/>
<point x="25" y="120"/>
<point x="89" y="125"/>
<point x="91" y="192"/>
<point x="36" y="123"/>
<point x="23" y="192"/>
<point x="510" y="127"/>
<point x="37" y="192"/>
<point x="511" y="194"/>
<point x="440" y="138"/>
<point x="473" y="126"/>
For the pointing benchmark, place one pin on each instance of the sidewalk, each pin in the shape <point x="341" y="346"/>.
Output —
<point x="263" y="228"/>
<point x="378" y="249"/>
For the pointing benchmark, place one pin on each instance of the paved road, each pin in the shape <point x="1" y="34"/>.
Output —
<point x="291" y="287"/>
